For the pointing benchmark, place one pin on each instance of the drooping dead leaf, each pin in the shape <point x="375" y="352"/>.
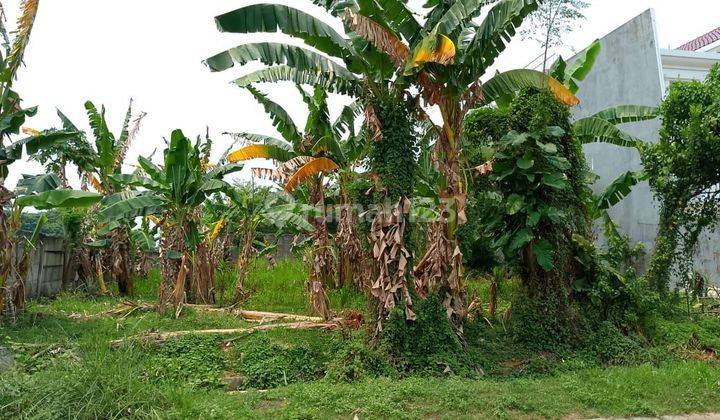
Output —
<point x="349" y="242"/>
<point x="380" y="37"/>
<point x="387" y="235"/>
<point x="125" y="146"/>
<point x="217" y="228"/>
<point x="287" y="169"/>
<point x="319" y="299"/>
<point x="440" y="269"/>
<point x="484" y="169"/>
<point x="30" y="131"/>
<point x="265" y="173"/>
<point x="95" y="182"/>
<point x="472" y="96"/>
<point x="373" y="122"/>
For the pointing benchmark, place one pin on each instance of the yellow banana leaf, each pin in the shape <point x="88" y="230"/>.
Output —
<point x="216" y="230"/>
<point x="314" y="167"/>
<point x="562" y="93"/>
<point x="252" y="151"/>
<point x="432" y="49"/>
<point x="30" y="131"/>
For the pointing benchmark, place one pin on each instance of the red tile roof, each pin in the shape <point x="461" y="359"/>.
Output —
<point x="701" y="41"/>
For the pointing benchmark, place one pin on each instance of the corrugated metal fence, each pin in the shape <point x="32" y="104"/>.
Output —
<point x="47" y="264"/>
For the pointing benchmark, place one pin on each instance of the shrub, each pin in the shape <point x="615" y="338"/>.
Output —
<point x="267" y="362"/>
<point x="357" y="361"/>
<point x="611" y="347"/>
<point x="427" y="345"/>
<point x="688" y="335"/>
<point x="536" y="325"/>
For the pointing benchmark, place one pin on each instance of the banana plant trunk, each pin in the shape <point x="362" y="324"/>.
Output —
<point x="5" y="258"/>
<point x="393" y="261"/>
<point x="200" y="281"/>
<point x="100" y="275"/>
<point x="322" y="268"/>
<point x="203" y="275"/>
<point x="6" y="246"/>
<point x="171" y="242"/>
<point x="350" y="248"/>
<point x="324" y="261"/>
<point x="86" y="258"/>
<point x="144" y="264"/>
<point x="245" y="251"/>
<point x="121" y="260"/>
<point x="441" y="268"/>
<point x="21" y="273"/>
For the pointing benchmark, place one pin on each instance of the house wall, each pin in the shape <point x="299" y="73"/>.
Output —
<point x="628" y="71"/>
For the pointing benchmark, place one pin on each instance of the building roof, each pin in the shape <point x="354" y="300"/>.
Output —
<point x="701" y="41"/>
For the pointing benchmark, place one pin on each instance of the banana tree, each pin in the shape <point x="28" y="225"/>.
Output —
<point x="323" y="147"/>
<point x="445" y="58"/>
<point x="98" y="162"/>
<point x="75" y="149"/>
<point x="602" y="127"/>
<point x="144" y="243"/>
<point x="174" y="192"/>
<point x="253" y="210"/>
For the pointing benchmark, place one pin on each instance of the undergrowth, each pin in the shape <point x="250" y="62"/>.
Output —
<point x="63" y="364"/>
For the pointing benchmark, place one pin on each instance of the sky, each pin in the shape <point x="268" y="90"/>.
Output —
<point x="109" y="51"/>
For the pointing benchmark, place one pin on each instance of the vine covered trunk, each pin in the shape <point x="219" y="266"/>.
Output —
<point x="666" y="244"/>
<point x="393" y="167"/>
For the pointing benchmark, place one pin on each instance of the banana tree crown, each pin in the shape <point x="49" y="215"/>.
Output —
<point x="445" y="52"/>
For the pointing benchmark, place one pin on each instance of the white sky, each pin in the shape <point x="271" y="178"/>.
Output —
<point x="110" y="50"/>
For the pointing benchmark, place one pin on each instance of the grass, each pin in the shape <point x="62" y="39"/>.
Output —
<point x="65" y="367"/>
<point x="282" y="289"/>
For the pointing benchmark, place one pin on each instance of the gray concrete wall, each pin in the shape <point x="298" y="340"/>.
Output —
<point x="628" y="71"/>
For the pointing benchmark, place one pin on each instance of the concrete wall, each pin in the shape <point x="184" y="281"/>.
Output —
<point x="707" y="256"/>
<point x="629" y="72"/>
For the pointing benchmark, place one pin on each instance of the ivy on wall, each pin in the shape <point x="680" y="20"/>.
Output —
<point x="683" y="169"/>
